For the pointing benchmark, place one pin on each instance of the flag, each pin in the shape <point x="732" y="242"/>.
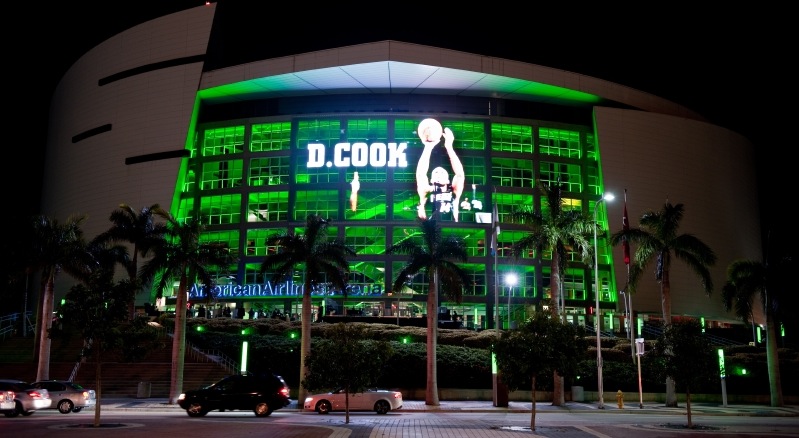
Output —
<point x="625" y="224"/>
<point x="495" y="229"/>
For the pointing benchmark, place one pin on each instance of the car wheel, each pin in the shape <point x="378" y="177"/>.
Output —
<point x="323" y="407"/>
<point x="11" y="413"/>
<point x="65" y="406"/>
<point x="78" y="409"/>
<point x="261" y="409"/>
<point x="22" y="411"/>
<point x="382" y="407"/>
<point x="196" y="410"/>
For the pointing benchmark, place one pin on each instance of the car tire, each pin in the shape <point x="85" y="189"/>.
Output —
<point x="21" y="411"/>
<point x="196" y="410"/>
<point x="382" y="407"/>
<point x="65" y="406"/>
<point x="262" y="409"/>
<point x="11" y="413"/>
<point x="324" y="407"/>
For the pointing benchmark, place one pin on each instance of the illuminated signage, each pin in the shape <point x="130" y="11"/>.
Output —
<point x="287" y="289"/>
<point x="358" y="155"/>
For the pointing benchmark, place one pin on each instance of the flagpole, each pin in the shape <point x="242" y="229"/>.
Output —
<point x="625" y="222"/>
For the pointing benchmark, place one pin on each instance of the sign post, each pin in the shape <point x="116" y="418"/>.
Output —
<point x="639" y="350"/>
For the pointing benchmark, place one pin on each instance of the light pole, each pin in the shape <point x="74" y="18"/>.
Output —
<point x="597" y="313"/>
<point x="510" y="281"/>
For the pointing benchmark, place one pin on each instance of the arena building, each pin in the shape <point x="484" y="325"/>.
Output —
<point x="144" y="118"/>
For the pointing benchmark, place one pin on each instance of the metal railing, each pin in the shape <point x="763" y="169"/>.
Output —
<point x="9" y="324"/>
<point x="215" y="356"/>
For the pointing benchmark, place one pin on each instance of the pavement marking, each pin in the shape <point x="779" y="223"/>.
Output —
<point x="590" y="431"/>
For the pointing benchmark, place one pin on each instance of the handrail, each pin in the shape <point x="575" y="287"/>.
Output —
<point x="215" y="356"/>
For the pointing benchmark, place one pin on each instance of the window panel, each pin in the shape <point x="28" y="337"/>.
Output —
<point x="559" y="143"/>
<point x="223" y="141"/>
<point x="267" y="207"/>
<point x="268" y="171"/>
<point x="271" y="137"/>
<point x="511" y="138"/>
<point x="322" y="202"/>
<point x="221" y="210"/>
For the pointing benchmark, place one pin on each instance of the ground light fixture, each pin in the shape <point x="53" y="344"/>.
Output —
<point x="597" y="312"/>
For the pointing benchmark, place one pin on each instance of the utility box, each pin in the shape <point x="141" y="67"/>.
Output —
<point x="144" y="390"/>
<point x="578" y="393"/>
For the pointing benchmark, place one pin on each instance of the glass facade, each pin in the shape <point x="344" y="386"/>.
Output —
<point x="248" y="180"/>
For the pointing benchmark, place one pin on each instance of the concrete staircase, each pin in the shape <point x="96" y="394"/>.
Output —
<point x="150" y="378"/>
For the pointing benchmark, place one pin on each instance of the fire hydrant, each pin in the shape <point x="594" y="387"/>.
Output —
<point x="620" y="399"/>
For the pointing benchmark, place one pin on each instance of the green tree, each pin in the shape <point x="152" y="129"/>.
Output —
<point x="434" y="258"/>
<point x="770" y="282"/>
<point x="96" y="306"/>
<point x="657" y="241"/>
<point x="346" y="359"/>
<point x="685" y="355"/>
<point x="559" y="230"/>
<point x="182" y="256"/>
<point x="55" y="248"/>
<point x="141" y="231"/>
<point x="322" y="261"/>
<point x="543" y="344"/>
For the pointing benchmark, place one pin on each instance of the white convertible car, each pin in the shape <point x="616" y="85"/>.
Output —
<point x="378" y="400"/>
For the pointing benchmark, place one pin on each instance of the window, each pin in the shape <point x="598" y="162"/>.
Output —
<point x="566" y="174"/>
<point x="268" y="171"/>
<point x="559" y="143"/>
<point x="512" y="172"/>
<point x="223" y="141"/>
<point x="231" y="238"/>
<point x="322" y="202"/>
<point x="271" y="137"/>
<point x="267" y="207"/>
<point x="256" y="241"/>
<point x="220" y="210"/>
<point x="221" y="174"/>
<point x="511" y="138"/>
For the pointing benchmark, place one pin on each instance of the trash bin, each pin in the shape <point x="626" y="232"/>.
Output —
<point x="144" y="390"/>
<point x="578" y="394"/>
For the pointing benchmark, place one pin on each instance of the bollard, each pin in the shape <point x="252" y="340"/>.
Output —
<point x="620" y="399"/>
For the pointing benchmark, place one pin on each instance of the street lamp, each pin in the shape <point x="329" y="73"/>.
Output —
<point x="510" y="281"/>
<point x="597" y="314"/>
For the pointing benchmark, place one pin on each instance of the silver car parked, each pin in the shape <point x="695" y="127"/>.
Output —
<point x="67" y="396"/>
<point x="27" y="398"/>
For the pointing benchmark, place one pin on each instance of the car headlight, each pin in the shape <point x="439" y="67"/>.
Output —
<point x="182" y="397"/>
<point x="308" y="399"/>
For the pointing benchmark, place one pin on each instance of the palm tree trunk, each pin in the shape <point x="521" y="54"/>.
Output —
<point x="97" y="384"/>
<point x="532" y="410"/>
<point x="688" y="407"/>
<point x="665" y="297"/>
<point x="179" y="342"/>
<point x="43" y="369"/>
<point x="558" y="396"/>
<point x="773" y="360"/>
<point x="431" y="392"/>
<point x="305" y="337"/>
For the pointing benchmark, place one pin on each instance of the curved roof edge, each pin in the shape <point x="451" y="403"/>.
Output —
<point x="397" y="67"/>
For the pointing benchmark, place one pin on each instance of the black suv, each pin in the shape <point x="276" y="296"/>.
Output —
<point x="263" y="393"/>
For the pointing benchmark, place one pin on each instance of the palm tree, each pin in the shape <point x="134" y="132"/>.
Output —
<point x="97" y="306"/>
<point x="181" y="256"/>
<point x="747" y="279"/>
<point x="138" y="229"/>
<point x="323" y="262"/>
<point x="55" y="248"/>
<point x="559" y="231"/>
<point x="657" y="241"/>
<point x="434" y="259"/>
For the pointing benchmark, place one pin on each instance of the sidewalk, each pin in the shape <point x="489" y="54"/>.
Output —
<point x="520" y="407"/>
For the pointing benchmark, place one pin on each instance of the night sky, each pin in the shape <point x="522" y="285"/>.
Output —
<point x="729" y="65"/>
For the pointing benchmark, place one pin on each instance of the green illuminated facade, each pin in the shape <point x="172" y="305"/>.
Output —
<point x="248" y="179"/>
